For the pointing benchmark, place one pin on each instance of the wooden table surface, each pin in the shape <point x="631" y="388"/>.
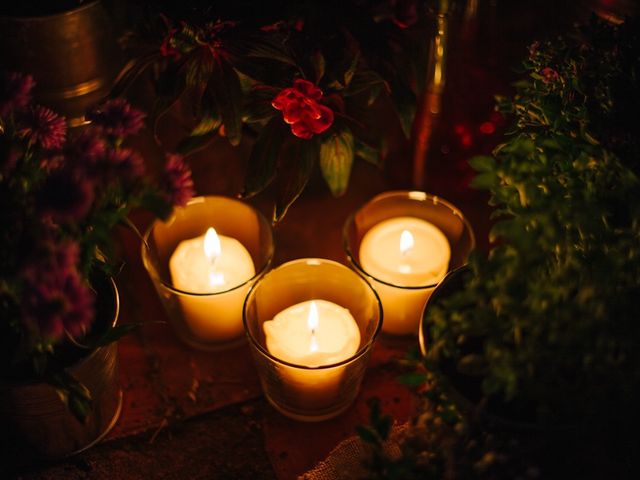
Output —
<point x="193" y="414"/>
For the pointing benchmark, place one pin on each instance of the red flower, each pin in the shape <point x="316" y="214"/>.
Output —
<point x="301" y="109"/>
<point x="549" y="75"/>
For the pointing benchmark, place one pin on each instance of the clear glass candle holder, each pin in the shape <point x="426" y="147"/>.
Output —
<point x="298" y="390"/>
<point x="397" y="271"/>
<point x="208" y="320"/>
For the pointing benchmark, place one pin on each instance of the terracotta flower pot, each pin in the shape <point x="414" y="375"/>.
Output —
<point x="34" y="421"/>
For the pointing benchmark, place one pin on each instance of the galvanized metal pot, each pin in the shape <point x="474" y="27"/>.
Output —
<point x="73" y="56"/>
<point x="34" y="423"/>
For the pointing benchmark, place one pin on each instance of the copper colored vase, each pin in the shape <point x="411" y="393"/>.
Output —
<point x="72" y="55"/>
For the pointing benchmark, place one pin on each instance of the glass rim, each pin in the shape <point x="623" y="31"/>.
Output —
<point x="359" y="353"/>
<point x="145" y="249"/>
<point x="411" y="195"/>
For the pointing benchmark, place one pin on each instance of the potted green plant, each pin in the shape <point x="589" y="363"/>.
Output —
<point x="62" y="193"/>
<point x="531" y="352"/>
<point x="303" y="85"/>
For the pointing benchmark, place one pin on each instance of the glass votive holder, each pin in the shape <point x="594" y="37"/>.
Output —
<point x="202" y="277"/>
<point x="311" y="325"/>
<point x="404" y="243"/>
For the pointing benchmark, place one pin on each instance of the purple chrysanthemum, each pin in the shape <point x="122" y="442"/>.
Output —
<point x="125" y="164"/>
<point x="85" y="151"/>
<point x="55" y="298"/>
<point x="15" y="92"/>
<point x="9" y="156"/>
<point x="177" y="181"/>
<point x="41" y="126"/>
<point x="66" y="195"/>
<point x="117" y="117"/>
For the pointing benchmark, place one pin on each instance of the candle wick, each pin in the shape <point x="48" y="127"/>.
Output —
<point x="314" y="343"/>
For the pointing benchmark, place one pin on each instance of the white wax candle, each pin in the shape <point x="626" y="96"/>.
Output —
<point x="212" y="264"/>
<point x="314" y="333"/>
<point x="404" y="252"/>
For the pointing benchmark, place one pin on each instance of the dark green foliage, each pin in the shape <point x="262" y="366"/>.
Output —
<point x="550" y="318"/>
<point x="230" y="71"/>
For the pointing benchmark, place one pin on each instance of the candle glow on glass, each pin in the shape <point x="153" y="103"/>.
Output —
<point x="405" y="256"/>
<point x="212" y="264"/>
<point x="315" y="333"/>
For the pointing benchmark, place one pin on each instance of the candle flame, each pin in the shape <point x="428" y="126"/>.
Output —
<point x="406" y="241"/>
<point x="212" y="247"/>
<point x="313" y="317"/>
<point x="312" y="322"/>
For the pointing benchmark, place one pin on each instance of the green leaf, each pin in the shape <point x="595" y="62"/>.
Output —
<point x="263" y="159"/>
<point x="296" y="164"/>
<point x="131" y="71"/>
<point x="483" y="163"/>
<point x="206" y="125"/>
<point x="336" y="160"/>
<point x="368" y="434"/>
<point x="199" y="67"/>
<point x="319" y="65"/>
<point x="271" y="47"/>
<point x="75" y="395"/>
<point x="412" y="379"/>
<point x="227" y="91"/>
<point x="349" y="73"/>
<point x="169" y="87"/>
<point x="366" y="80"/>
<point x="194" y="144"/>
<point x="404" y="102"/>
<point x="257" y="107"/>
<point x="472" y="364"/>
<point x="484" y="181"/>
<point x="366" y="152"/>
<point x="156" y="204"/>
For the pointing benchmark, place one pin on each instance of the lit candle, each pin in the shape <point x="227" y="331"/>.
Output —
<point x="314" y="333"/>
<point x="212" y="264"/>
<point x="405" y="253"/>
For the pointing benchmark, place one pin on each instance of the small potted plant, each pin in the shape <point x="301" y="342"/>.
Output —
<point x="532" y="351"/>
<point x="62" y="194"/>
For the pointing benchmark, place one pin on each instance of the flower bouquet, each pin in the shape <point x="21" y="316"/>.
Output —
<point x="304" y="86"/>
<point x="62" y="194"/>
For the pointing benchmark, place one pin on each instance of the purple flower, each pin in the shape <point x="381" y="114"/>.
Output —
<point x="177" y="181"/>
<point x="533" y="48"/>
<point x="55" y="298"/>
<point x="15" y="92"/>
<point x="66" y="195"/>
<point x="9" y="156"/>
<point x="124" y="163"/>
<point x="549" y="75"/>
<point x="117" y="117"/>
<point x="41" y="126"/>
<point x="85" y="150"/>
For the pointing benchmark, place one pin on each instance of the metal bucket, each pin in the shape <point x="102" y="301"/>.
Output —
<point x="36" y="424"/>
<point x="73" y="56"/>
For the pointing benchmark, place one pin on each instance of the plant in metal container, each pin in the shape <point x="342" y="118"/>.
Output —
<point x="62" y="193"/>
<point x="531" y="352"/>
